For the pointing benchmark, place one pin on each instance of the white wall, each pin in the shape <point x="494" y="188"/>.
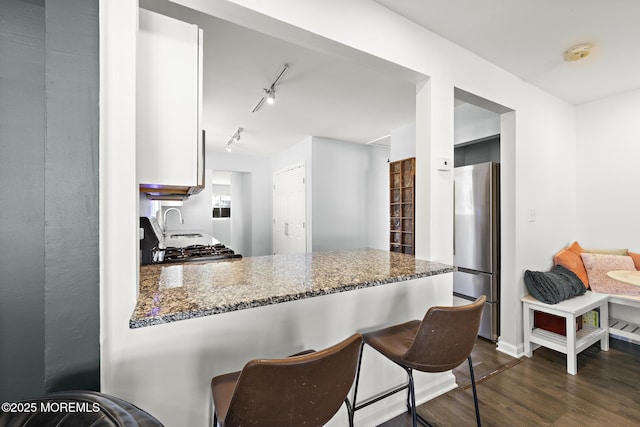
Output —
<point x="258" y="180"/>
<point x="377" y="200"/>
<point x="221" y="227"/>
<point x="242" y="220"/>
<point x="608" y="204"/>
<point x="297" y="153"/>
<point x="472" y="122"/>
<point x="346" y="203"/>
<point x="196" y="211"/>
<point x="221" y="231"/>
<point x="403" y="142"/>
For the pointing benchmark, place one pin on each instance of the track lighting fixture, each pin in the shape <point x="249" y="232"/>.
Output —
<point x="269" y="95"/>
<point x="234" y="138"/>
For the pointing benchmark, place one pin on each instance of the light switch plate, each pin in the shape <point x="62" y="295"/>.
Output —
<point x="444" y="164"/>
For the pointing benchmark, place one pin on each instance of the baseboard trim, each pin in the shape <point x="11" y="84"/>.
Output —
<point x="428" y="387"/>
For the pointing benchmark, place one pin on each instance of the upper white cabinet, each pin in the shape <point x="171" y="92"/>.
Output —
<point x="170" y="143"/>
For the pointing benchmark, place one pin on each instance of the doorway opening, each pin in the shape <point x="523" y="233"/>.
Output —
<point x="482" y="129"/>
<point x="232" y="227"/>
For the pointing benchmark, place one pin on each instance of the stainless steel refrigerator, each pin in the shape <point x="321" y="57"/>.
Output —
<point x="476" y="248"/>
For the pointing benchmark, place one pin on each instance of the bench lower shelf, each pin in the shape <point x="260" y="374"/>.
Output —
<point x="624" y="329"/>
<point x="585" y="337"/>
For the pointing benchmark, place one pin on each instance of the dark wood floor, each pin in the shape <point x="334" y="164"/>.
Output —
<point x="538" y="391"/>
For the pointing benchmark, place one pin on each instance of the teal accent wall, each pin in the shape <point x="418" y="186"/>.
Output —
<point x="49" y="248"/>
<point x="21" y="198"/>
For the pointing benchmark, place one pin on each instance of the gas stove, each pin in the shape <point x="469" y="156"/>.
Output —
<point x="156" y="248"/>
<point x="198" y="253"/>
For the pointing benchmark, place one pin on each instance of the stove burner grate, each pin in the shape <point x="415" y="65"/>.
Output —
<point x="196" y="251"/>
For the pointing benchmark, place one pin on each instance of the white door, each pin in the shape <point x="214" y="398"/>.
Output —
<point x="289" y="210"/>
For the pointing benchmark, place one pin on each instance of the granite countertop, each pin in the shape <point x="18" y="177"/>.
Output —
<point x="172" y="292"/>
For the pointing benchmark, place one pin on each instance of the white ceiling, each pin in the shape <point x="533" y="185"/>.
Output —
<point x="336" y="95"/>
<point x="322" y="94"/>
<point x="319" y="95"/>
<point x="528" y="39"/>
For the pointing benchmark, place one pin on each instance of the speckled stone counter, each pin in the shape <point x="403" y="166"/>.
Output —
<point x="173" y="292"/>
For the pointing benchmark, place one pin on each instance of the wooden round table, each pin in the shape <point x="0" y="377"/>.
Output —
<point x="628" y="276"/>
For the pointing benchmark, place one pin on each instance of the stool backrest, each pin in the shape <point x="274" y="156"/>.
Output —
<point x="445" y="337"/>
<point x="295" y="391"/>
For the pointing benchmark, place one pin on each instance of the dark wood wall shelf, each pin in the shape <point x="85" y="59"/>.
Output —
<point x="402" y="177"/>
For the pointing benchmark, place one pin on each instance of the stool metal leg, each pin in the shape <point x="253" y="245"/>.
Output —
<point x="411" y="401"/>
<point x="357" y="406"/>
<point x="475" y="394"/>
<point x="352" y="412"/>
<point x="349" y="411"/>
<point x="412" y="397"/>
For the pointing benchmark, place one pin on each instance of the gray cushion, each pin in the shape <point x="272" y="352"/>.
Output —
<point x="553" y="286"/>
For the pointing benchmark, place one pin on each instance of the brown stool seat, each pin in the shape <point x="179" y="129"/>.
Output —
<point x="393" y="341"/>
<point x="305" y="389"/>
<point x="440" y="342"/>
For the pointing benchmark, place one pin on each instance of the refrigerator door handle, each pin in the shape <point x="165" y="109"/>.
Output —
<point x="474" y="272"/>
<point x="454" y="217"/>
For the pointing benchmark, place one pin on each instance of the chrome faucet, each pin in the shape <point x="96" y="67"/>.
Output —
<point x="164" y="220"/>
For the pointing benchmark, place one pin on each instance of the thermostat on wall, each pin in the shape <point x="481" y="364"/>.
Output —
<point x="444" y="164"/>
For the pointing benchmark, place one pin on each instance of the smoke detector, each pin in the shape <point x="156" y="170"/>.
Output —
<point x="577" y="52"/>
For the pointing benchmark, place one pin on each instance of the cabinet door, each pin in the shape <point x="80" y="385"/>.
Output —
<point x="168" y="101"/>
<point x="289" y="211"/>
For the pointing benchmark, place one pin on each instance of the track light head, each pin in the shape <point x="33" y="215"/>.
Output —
<point x="270" y="95"/>
<point x="234" y="138"/>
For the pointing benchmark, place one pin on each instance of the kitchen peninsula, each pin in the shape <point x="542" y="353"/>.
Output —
<point x="176" y="292"/>
<point x="195" y="320"/>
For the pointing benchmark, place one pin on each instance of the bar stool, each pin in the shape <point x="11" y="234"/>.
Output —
<point x="304" y="389"/>
<point x="438" y="343"/>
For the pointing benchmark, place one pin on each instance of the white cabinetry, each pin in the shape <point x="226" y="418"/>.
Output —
<point x="170" y="146"/>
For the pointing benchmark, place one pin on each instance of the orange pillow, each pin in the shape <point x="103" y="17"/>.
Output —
<point x="576" y="248"/>
<point x="636" y="259"/>
<point x="572" y="261"/>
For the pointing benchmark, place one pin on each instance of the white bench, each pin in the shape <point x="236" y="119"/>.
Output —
<point x="625" y="329"/>
<point x="575" y="341"/>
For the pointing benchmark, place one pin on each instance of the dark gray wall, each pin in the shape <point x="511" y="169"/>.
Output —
<point x="481" y="151"/>
<point x="21" y="198"/>
<point x="49" y="265"/>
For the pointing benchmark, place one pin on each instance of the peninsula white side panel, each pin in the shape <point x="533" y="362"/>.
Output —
<point x="167" y="369"/>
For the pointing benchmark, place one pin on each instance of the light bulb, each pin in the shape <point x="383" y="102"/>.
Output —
<point x="271" y="96"/>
